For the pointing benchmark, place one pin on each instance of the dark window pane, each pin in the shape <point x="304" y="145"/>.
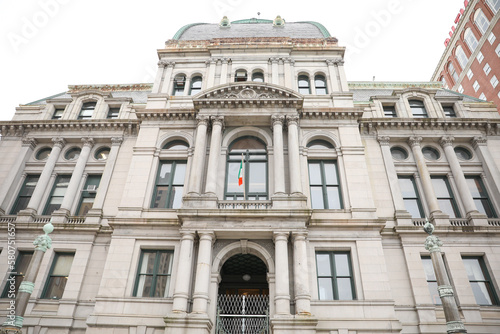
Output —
<point x="389" y="111"/>
<point x="55" y="288"/>
<point x="160" y="198"/>
<point x="58" y="277"/>
<point x="162" y="285"/>
<point x="144" y="287"/>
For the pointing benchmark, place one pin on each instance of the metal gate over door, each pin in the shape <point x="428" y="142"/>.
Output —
<point x="242" y="314"/>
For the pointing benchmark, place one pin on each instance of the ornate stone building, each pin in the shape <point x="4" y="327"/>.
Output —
<point x="252" y="189"/>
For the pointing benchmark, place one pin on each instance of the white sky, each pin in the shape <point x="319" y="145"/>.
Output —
<point x="47" y="45"/>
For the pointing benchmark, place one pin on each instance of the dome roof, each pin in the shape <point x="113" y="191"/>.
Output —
<point x="251" y="28"/>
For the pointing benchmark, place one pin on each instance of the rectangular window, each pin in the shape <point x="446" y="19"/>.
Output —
<point x="25" y="194"/>
<point x="390" y="111"/>
<point x="410" y="196"/>
<point x="431" y="279"/>
<point x="469" y="74"/>
<point x="22" y="262"/>
<point x="460" y="89"/>
<point x="445" y="197"/>
<point x="335" y="278"/>
<point x="87" y="110"/>
<point x="88" y="195"/>
<point x="57" y="194"/>
<point x="494" y="81"/>
<point x="480" y="280"/>
<point x="154" y="273"/>
<point x="491" y="38"/>
<point x="418" y="109"/>
<point x="476" y="86"/>
<point x="480" y="196"/>
<point x="169" y="185"/>
<point x="449" y="111"/>
<point x="57" y="113"/>
<point x="482" y="97"/>
<point x="324" y="185"/>
<point x="487" y="69"/>
<point x="497" y="50"/>
<point x="58" y="276"/>
<point x="113" y="113"/>
<point x="480" y="57"/>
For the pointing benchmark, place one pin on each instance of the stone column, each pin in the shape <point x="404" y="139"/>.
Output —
<point x="489" y="165"/>
<point x="159" y="75"/>
<point x="342" y="76"/>
<point x="392" y="175"/>
<point x="288" y="63"/>
<point x="301" y="274"/>
<point x="425" y="177"/>
<point x="275" y="70"/>
<point x="8" y="188"/>
<point x="44" y="179"/>
<point x="223" y="72"/>
<point x="200" y="151"/>
<point x="293" y="154"/>
<point x="214" y="155"/>
<point x="454" y="323"/>
<point x="203" y="270"/>
<point x="447" y="144"/>
<point x="14" y="323"/>
<point x="165" y="88"/>
<point x="183" y="277"/>
<point x="212" y="65"/>
<point x="282" y="297"/>
<point x="332" y="70"/>
<point x="116" y="142"/>
<point x="279" y="163"/>
<point x="76" y="176"/>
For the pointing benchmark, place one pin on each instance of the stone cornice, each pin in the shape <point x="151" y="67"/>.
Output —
<point x="22" y="128"/>
<point x="110" y="88"/>
<point x="166" y="114"/>
<point x="488" y="126"/>
<point x="331" y="113"/>
<point x="394" y="85"/>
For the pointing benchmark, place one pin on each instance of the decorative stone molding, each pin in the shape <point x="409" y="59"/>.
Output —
<point x="445" y="291"/>
<point x="292" y="120"/>
<point x="280" y="236"/>
<point x="446" y="141"/>
<point x="432" y="243"/>
<point x="166" y="63"/>
<point x="273" y="60"/>
<point x="217" y="120"/>
<point x="116" y="141"/>
<point x="414" y="141"/>
<point x="299" y="236"/>
<point x="288" y="60"/>
<point x="202" y="120"/>
<point x="278" y="119"/>
<point x="26" y="287"/>
<point x="455" y="327"/>
<point x="384" y="140"/>
<point x="60" y="142"/>
<point x="335" y="61"/>
<point x="331" y="113"/>
<point x="23" y="128"/>
<point x="225" y="60"/>
<point x="479" y="141"/>
<point x="29" y="142"/>
<point x="88" y="141"/>
<point x="413" y="124"/>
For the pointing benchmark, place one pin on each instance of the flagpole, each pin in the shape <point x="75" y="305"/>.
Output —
<point x="243" y="167"/>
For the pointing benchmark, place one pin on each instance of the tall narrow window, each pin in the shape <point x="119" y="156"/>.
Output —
<point x="390" y="111"/>
<point x="431" y="279"/>
<point x="453" y="73"/>
<point x="494" y="5"/>
<point x="324" y="185"/>
<point x="22" y="262"/>
<point x="320" y="85"/>
<point x="480" y="280"/>
<point x="481" y="21"/>
<point x="445" y="197"/>
<point x="169" y="185"/>
<point x="304" y="86"/>
<point x="58" y="277"/>
<point x="87" y="110"/>
<point x="57" y="194"/>
<point x="471" y="40"/>
<point x="88" y="194"/>
<point x="195" y="85"/>
<point x="449" y="111"/>
<point x="58" y="113"/>
<point x="258" y="77"/>
<point x="247" y="159"/>
<point x="179" y="84"/>
<point x="462" y="57"/>
<point x="480" y="196"/>
<point x="25" y="194"/>
<point x="335" y="278"/>
<point x="418" y="109"/>
<point x="240" y="75"/>
<point x="410" y="196"/>
<point x="154" y="273"/>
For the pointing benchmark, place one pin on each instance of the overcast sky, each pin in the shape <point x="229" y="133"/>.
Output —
<point x="47" y="45"/>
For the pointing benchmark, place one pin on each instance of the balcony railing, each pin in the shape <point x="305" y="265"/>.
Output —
<point x="245" y="205"/>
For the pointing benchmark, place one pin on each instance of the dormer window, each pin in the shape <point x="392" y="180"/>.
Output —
<point x="57" y="113"/>
<point x="418" y="109"/>
<point x="240" y="75"/>
<point x="113" y="112"/>
<point x="179" y="84"/>
<point x="87" y="110"/>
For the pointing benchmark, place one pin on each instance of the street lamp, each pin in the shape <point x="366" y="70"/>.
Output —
<point x="17" y="308"/>
<point x="453" y="322"/>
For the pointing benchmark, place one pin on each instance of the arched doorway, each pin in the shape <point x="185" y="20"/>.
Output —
<point x="243" y="301"/>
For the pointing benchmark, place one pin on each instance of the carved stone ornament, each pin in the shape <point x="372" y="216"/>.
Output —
<point x="217" y="120"/>
<point x="479" y="141"/>
<point x="202" y="120"/>
<point x="26" y="287"/>
<point x="384" y="140"/>
<point x="87" y="141"/>
<point x="432" y="243"/>
<point x="445" y="291"/>
<point x="59" y="142"/>
<point x="414" y="141"/>
<point x="455" y="327"/>
<point x="10" y="331"/>
<point x="278" y="119"/>
<point x="42" y="242"/>
<point x="29" y="142"/>
<point x="292" y="120"/>
<point x="446" y="141"/>
<point x="116" y="140"/>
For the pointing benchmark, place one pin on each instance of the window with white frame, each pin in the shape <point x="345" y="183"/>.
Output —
<point x="476" y="86"/>
<point x="480" y="57"/>
<point x="453" y="73"/>
<point x="497" y="50"/>
<point x="461" y="57"/>
<point x="487" y="69"/>
<point x="481" y="21"/>
<point x="443" y="81"/>
<point x="470" y="74"/>
<point x="482" y="97"/>
<point x="494" y="5"/>
<point x="460" y="89"/>
<point x="491" y="38"/>
<point x="470" y="40"/>
<point x="494" y="81"/>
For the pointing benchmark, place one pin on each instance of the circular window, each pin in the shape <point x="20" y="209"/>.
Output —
<point x="430" y="153"/>
<point x="102" y="154"/>
<point x="463" y="153"/>
<point x="73" y="154"/>
<point x="43" y="153"/>
<point x="399" y="153"/>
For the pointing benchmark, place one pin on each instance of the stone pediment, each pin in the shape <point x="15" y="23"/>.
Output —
<point x="247" y="94"/>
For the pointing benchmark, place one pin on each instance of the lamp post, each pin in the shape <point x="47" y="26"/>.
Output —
<point x="453" y="322"/>
<point x="17" y="308"/>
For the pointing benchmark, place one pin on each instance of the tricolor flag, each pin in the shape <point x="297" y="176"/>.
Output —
<point x="240" y="173"/>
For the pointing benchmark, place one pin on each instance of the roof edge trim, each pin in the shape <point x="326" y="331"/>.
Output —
<point x="179" y="32"/>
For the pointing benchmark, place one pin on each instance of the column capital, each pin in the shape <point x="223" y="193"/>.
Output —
<point x="58" y="141"/>
<point x="277" y="118"/>
<point x="202" y="120"/>
<point x="116" y="141"/>
<point x="299" y="236"/>
<point x="225" y="60"/>
<point x="280" y="236"/>
<point x="292" y="120"/>
<point x="384" y="140"/>
<point x="29" y="142"/>
<point x="88" y="141"/>
<point x="166" y="63"/>
<point x="273" y="60"/>
<point x="479" y="141"/>
<point x="187" y="235"/>
<point x="217" y="120"/>
<point x="334" y="61"/>
<point x="414" y="141"/>
<point x="446" y="141"/>
<point x="207" y="235"/>
<point x="288" y="60"/>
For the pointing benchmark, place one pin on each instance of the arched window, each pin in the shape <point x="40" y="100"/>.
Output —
<point x="461" y="57"/>
<point x="453" y="73"/>
<point x="319" y="144"/>
<point x="240" y="75"/>
<point x="179" y="84"/>
<point x="304" y="86"/>
<point x="494" y="5"/>
<point x="320" y="85"/>
<point x="258" y="77"/>
<point x="87" y="110"/>
<point x="246" y="170"/>
<point x="418" y="109"/>
<point x="481" y="21"/>
<point x="176" y="145"/>
<point x="195" y="85"/>
<point x="471" y="40"/>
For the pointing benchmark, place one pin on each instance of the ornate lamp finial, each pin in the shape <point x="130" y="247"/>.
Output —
<point x="224" y="23"/>
<point x="278" y="21"/>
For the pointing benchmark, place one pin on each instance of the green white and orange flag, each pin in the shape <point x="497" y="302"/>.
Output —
<point x="240" y="173"/>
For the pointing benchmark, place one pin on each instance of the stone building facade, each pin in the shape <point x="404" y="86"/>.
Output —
<point x="155" y="232"/>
